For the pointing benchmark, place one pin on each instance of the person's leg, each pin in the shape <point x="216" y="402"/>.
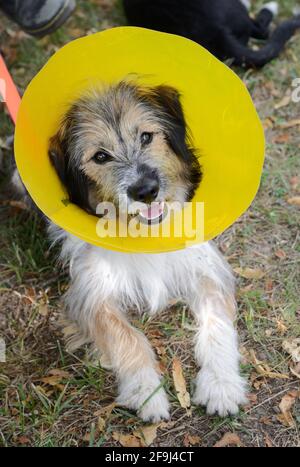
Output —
<point x="38" y="17"/>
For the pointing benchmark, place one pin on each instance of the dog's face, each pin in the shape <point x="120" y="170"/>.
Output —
<point x="126" y="140"/>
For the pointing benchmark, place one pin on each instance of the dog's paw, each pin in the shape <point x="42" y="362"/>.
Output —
<point x="221" y="396"/>
<point x="142" y="392"/>
<point x="272" y="7"/>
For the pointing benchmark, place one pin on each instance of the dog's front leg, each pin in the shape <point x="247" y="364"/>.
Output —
<point x="219" y="385"/>
<point x="132" y="358"/>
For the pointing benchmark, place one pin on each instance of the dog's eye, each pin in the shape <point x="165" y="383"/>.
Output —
<point x="146" y="138"/>
<point x="101" y="156"/>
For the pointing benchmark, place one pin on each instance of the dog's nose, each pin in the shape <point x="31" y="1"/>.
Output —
<point x="145" y="190"/>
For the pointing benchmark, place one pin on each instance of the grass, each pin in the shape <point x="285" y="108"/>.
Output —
<point x="51" y="398"/>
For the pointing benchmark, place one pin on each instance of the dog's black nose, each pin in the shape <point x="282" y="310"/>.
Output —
<point x="145" y="190"/>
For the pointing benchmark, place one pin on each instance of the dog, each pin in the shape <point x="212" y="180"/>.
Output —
<point x="223" y="27"/>
<point x="134" y="141"/>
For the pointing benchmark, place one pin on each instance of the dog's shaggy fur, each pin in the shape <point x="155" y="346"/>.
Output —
<point x="108" y="142"/>
<point x="224" y="27"/>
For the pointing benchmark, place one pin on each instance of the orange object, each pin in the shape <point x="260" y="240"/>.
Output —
<point x="8" y="90"/>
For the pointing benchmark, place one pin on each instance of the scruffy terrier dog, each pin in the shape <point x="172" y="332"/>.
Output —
<point x="133" y="141"/>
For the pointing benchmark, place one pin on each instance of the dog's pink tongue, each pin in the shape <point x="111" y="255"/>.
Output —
<point x="153" y="211"/>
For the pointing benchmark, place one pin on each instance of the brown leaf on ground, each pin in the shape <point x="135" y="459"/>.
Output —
<point x="147" y="434"/>
<point x="105" y="411"/>
<point x="268" y="123"/>
<point x="292" y="347"/>
<point x="295" y="200"/>
<point x="252" y="398"/>
<point x="127" y="441"/>
<point x="291" y="123"/>
<point x="23" y="440"/>
<point x="295" y="182"/>
<point x="60" y="373"/>
<point x="281" y="254"/>
<point x="43" y="309"/>
<point x="55" y="377"/>
<point x="180" y="384"/>
<point x="283" y="103"/>
<point x="295" y="370"/>
<point x="282" y="138"/>
<point x="281" y="327"/>
<point x="229" y="439"/>
<point x="268" y="441"/>
<point x="101" y="424"/>
<point x="287" y="402"/>
<point x="190" y="440"/>
<point x="249" y="273"/>
<point x="19" y="205"/>
<point x="263" y="368"/>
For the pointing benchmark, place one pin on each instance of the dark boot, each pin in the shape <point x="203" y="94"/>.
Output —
<point x="38" y="17"/>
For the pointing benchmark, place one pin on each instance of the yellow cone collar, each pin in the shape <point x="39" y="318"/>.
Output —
<point x="218" y="109"/>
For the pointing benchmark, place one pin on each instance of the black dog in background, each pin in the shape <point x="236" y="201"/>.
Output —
<point x="224" y="27"/>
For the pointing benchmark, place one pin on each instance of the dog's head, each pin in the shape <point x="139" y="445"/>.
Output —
<point x="126" y="140"/>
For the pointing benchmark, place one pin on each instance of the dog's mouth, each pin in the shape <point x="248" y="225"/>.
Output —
<point x="152" y="212"/>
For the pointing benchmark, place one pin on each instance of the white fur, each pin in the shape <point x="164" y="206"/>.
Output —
<point x="218" y="385"/>
<point x="17" y="184"/>
<point x="246" y="3"/>
<point x="147" y="282"/>
<point x="296" y="10"/>
<point x="272" y="7"/>
<point x="142" y="392"/>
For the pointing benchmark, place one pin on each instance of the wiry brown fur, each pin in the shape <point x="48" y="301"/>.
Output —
<point x="114" y="119"/>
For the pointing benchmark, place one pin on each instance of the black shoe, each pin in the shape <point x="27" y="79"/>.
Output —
<point x="38" y="17"/>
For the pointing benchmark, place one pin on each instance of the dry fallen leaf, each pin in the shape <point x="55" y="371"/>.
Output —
<point x="23" y="440"/>
<point x="268" y="123"/>
<point x="281" y="254"/>
<point x="264" y="370"/>
<point x="190" y="440"/>
<point x="15" y="204"/>
<point x="249" y="273"/>
<point x="281" y="327"/>
<point x="281" y="138"/>
<point x="295" y="370"/>
<point x="295" y="182"/>
<point x="229" y="439"/>
<point x="292" y="347"/>
<point x="105" y="411"/>
<point x="287" y="402"/>
<point x="43" y="309"/>
<point x="55" y="377"/>
<point x="147" y="434"/>
<point x="127" y="441"/>
<point x="295" y="200"/>
<point x="291" y="123"/>
<point x="180" y="384"/>
<point x="268" y="441"/>
<point x="283" y="103"/>
<point x="101" y="423"/>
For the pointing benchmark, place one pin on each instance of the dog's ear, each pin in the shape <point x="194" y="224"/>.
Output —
<point x="168" y="100"/>
<point x="58" y="157"/>
<point x="172" y="115"/>
<point x="68" y="170"/>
